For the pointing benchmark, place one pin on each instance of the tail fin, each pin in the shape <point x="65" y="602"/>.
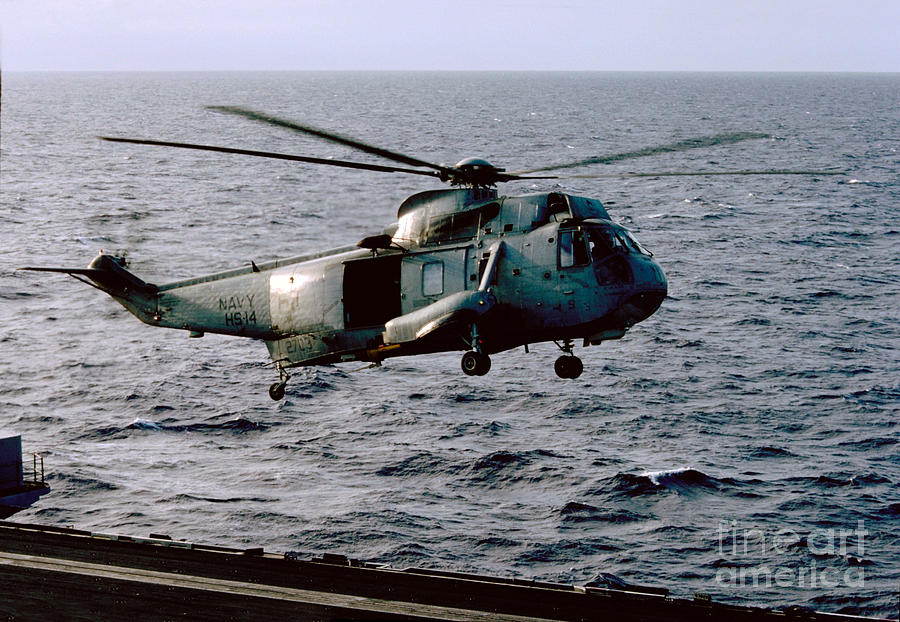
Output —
<point x="107" y="274"/>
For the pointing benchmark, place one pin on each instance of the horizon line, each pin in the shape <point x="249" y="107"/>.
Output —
<point x="719" y="71"/>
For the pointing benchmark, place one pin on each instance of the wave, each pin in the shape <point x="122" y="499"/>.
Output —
<point x="839" y="479"/>
<point x="891" y="510"/>
<point x="490" y="429"/>
<point x="628" y="485"/>
<point x="868" y="444"/>
<point x="574" y="512"/>
<point x="148" y="425"/>
<point x="754" y="321"/>
<point x="496" y="542"/>
<point x="684" y="481"/>
<point x="681" y="477"/>
<point x="144" y="424"/>
<point x="563" y="551"/>
<point x="500" y="460"/>
<point x="189" y="497"/>
<point x="771" y="452"/>
<point x="464" y="398"/>
<point x="82" y="484"/>
<point x="492" y="469"/>
<point x="878" y="394"/>
<point x="417" y="465"/>
<point x="7" y="295"/>
<point x="237" y="425"/>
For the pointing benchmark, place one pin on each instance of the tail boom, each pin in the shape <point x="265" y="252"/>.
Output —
<point x="231" y="306"/>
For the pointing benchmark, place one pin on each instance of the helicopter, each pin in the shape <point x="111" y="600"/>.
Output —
<point x="463" y="269"/>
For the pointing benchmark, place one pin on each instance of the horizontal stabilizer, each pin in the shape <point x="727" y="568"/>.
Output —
<point x="82" y="271"/>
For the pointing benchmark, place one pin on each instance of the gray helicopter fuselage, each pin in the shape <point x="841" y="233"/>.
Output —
<point x="421" y="286"/>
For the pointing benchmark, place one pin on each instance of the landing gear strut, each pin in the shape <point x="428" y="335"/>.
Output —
<point x="568" y="365"/>
<point x="276" y="391"/>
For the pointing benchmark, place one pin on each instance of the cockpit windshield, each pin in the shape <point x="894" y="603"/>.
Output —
<point x="604" y="240"/>
<point x="631" y="242"/>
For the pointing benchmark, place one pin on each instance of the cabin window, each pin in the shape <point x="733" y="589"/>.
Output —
<point x="572" y="249"/>
<point x="459" y="225"/>
<point x="433" y="278"/>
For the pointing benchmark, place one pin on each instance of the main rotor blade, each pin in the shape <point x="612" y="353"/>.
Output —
<point x="277" y="156"/>
<point x="503" y="177"/>
<point x="681" y="145"/>
<point x="330" y="136"/>
<point x="702" y="173"/>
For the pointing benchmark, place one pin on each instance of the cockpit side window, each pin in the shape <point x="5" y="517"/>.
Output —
<point x="573" y="249"/>
<point x="602" y="243"/>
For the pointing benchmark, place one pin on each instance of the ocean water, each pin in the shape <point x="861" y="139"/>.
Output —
<point x="742" y="442"/>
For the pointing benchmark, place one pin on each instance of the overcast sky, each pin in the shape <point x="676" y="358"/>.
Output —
<point x="646" y="35"/>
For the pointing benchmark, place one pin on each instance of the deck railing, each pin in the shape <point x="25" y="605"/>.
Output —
<point x="34" y="475"/>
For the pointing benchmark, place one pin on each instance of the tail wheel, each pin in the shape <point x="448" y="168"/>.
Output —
<point x="276" y="391"/>
<point x="475" y="363"/>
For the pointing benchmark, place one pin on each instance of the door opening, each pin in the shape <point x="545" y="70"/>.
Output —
<point x="371" y="291"/>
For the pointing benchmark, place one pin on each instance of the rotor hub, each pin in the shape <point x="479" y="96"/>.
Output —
<point x="475" y="172"/>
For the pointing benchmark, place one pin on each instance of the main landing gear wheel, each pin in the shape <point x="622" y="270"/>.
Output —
<point x="475" y="363"/>
<point x="568" y="366"/>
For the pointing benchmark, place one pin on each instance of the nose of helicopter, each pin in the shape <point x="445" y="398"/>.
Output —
<point x="650" y="289"/>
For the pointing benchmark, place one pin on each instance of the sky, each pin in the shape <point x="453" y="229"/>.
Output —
<point x="592" y="35"/>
